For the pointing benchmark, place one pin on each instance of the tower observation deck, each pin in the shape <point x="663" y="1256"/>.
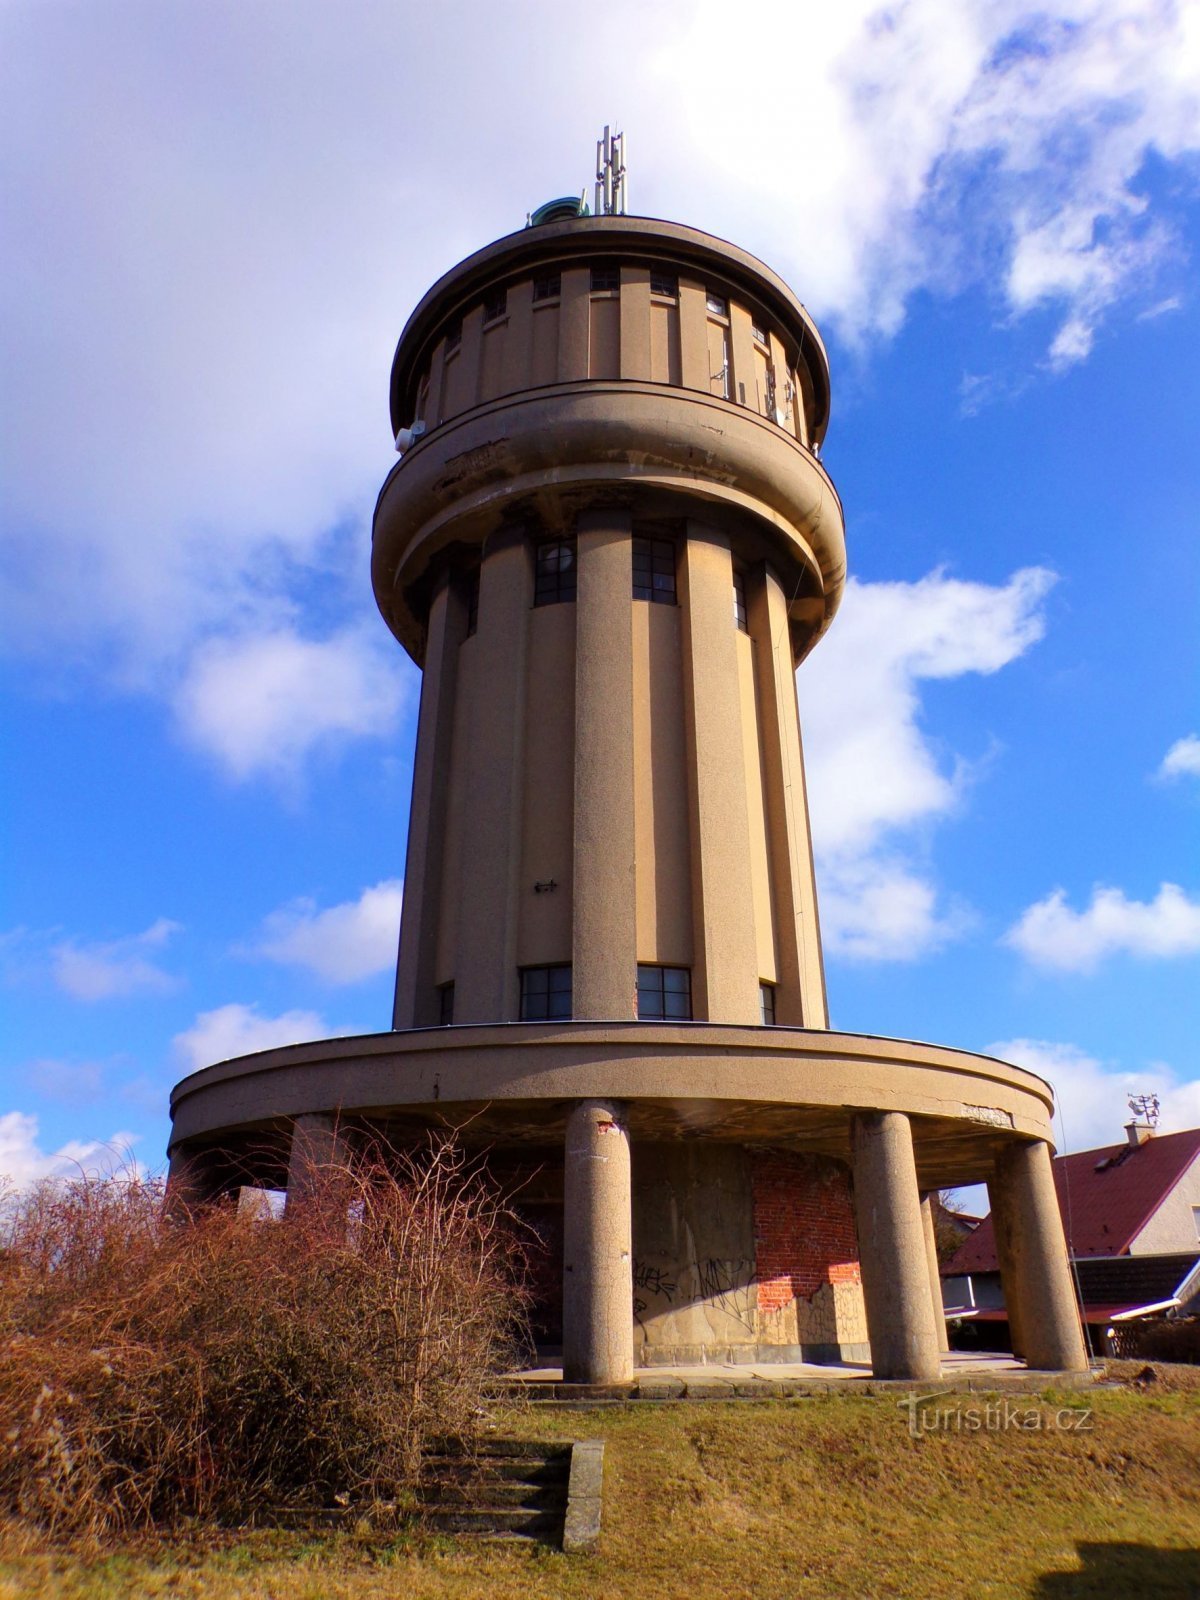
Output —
<point x="608" y="542"/>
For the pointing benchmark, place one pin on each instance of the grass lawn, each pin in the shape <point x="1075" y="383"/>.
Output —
<point x="765" y="1500"/>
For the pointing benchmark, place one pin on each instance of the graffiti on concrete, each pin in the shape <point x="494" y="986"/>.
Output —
<point x="726" y="1285"/>
<point x="654" y="1280"/>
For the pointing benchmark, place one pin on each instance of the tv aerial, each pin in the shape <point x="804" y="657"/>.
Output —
<point x="612" y="185"/>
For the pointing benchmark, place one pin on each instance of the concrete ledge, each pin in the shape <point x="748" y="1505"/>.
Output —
<point x="650" y="1356"/>
<point x="585" y="1488"/>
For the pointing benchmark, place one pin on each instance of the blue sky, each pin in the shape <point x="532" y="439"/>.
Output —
<point x="216" y="220"/>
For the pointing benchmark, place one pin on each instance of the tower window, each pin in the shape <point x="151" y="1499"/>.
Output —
<point x="495" y="305"/>
<point x="445" y="1004"/>
<point x="606" y="278"/>
<point x="547" y="286"/>
<point x="759" y="332"/>
<point x="665" y="284"/>
<point x="453" y="335"/>
<point x="555" y="575"/>
<point x="766" y="1004"/>
<point x="718" y="305"/>
<point x="473" y="602"/>
<point x="664" y="994"/>
<point x="545" y="993"/>
<point x="654" y="570"/>
<point x="739" y="600"/>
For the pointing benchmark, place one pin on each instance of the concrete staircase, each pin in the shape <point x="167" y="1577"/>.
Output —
<point x="505" y="1488"/>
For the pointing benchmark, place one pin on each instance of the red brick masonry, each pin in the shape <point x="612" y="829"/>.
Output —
<point x="803" y="1227"/>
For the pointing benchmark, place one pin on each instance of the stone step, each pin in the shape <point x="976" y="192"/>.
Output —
<point x="494" y="1520"/>
<point x="495" y="1469"/>
<point x="494" y="1493"/>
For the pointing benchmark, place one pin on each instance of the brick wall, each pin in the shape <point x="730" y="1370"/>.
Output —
<point x="803" y="1226"/>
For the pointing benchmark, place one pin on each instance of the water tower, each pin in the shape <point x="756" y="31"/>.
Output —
<point x="608" y="543"/>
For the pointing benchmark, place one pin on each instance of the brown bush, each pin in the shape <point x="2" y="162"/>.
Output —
<point x="1172" y="1339"/>
<point x="153" y="1370"/>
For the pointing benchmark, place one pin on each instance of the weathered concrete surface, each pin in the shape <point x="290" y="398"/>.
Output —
<point x="1050" y="1326"/>
<point x="892" y="1248"/>
<point x="597" y="1247"/>
<point x="585" y="1491"/>
<point x="318" y="1144"/>
<point x="935" y="1278"/>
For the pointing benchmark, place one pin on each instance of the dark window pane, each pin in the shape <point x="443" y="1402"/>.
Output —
<point x="545" y="993"/>
<point x="766" y="1000"/>
<point x="495" y="305"/>
<point x="548" y="286"/>
<point x="739" y="601"/>
<point x="606" y="278"/>
<point x="453" y="335"/>
<point x="446" y="1005"/>
<point x="665" y="283"/>
<point x="555" y="572"/>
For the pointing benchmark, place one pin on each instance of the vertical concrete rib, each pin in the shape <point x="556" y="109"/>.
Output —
<point x="317" y="1143"/>
<point x="416" y="1002"/>
<point x="928" y="1205"/>
<point x="597" y="1247"/>
<point x="192" y="1182"/>
<point x="891" y="1243"/>
<point x="486" y="986"/>
<point x="725" y="977"/>
<point x="800" y="993"/>
<point x="604" y="911"/>
<point x="1052" y="1336"/>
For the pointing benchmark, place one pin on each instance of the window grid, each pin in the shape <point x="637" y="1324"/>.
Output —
<point x="547" y="286"/>
<point x="606" y="278"/>
<point x="453" y="335"/>
<point x="718" y="305"/>
<point x="739" y="600"/>
<point x="766" y="1004"/>
<point x="496" y="305"/>
<point x="758" y="332"/>
<point x="654" y="570"/>
<point x="555" y="572"/>
<point x="445" y="1004"/>
<point x="545" y="994"/>
<point x="665" y="284"/>
<point x="664" y="994"/>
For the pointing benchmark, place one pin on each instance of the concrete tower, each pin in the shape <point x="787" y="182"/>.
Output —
<point x="607" y="544"/>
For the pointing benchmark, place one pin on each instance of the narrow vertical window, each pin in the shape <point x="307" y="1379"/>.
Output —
<point x="547" y="286"/>
<point x="555" y="572"/>
<point x="766" y="1004"/>
<point x="654" y="570"/>
<point x="606" y="277"/>
<point x="445" y="1004"/>
<point x="473" y="602"/>
<point x="495" y="305"/>
<point x="453" y="335"/>
<point x="739" y="600"/>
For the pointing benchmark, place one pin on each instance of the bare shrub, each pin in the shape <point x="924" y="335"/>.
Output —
<point x="153" y="1370"/>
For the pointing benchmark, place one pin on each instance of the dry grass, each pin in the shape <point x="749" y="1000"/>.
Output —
<point x="770" y="1501"/>
<point x="153" y="1372"/>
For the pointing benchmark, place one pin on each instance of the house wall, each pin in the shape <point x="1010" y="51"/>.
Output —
<point x="1173" y="1225"/>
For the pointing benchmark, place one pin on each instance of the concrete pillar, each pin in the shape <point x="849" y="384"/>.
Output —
<point x="486" y="985"/>
<point x="1002" y="1233"/>
<point x="317" y="1142"/>
<point x="891" y="1245"/>
<point x="1051" y="1334"/>
<point x="597" y="1247"/>
<point x="928" y="1204"/>
<point x="800" y="991"/>
<point x="604" y="904"/>
<point x="416" y="1002"/>
<point x="725" y="974"/>
<point x="192" y="1182"/>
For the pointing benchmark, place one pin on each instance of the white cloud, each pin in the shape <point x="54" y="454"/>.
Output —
<point x="342" y="944"/>
<point x="262" y="703"/>
<point x="874" y="776"/>
<point x="1053" y="936"/>
<point x="116" y="969"/>
<point x="1182" y="759"/>
<point x="23" y="1161"/>
<point x="1092" y="1093"/>
<point x="238" y="1030"/>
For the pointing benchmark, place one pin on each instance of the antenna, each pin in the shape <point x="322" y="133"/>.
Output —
<point x="1144" y="1106"/>
<point x="612" y="187"/>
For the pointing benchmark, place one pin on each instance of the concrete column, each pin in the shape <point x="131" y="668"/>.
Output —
<point x="192" y="1182"/>
<point x="486" y="987"/>
<point x="928" y="1203"/>
<point x="725" y="974"/>
<point x="1051" y="1334"/>
<point x="597" y="1247"/>
<point x="416" y="1002"/>
<point x="1002" y="1233"/>
<point x="800" y="992"/>
<point x="891" y="1245"/>
<point x="604" y="905"/>
<point x="317" y="1142"/>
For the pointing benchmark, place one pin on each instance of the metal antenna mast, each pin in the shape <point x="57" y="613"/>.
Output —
<point x="612" y="187"/>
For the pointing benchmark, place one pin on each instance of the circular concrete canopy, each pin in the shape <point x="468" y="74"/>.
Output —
<point x="513" y="1084"/>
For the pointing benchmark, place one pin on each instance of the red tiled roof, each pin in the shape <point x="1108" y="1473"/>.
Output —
<point x="1106" y="1198"/>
